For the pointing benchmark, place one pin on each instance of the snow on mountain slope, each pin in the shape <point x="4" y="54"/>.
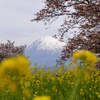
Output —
<point x="47" y="43"/>
<point x="44" y="51"/>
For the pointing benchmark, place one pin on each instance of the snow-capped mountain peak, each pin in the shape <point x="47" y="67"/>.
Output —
<point x="47" y="43"/>
<point x="44" y="51"/>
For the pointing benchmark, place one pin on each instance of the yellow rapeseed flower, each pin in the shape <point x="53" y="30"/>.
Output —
<point x="85" y="56"/>
<point x="23" y="64"/>
<point x="35" y="64"/>
<point x="4" y="82"/>
<point x="14" y="66"/>
<point x="13" y="87"/>
<point x="35" y="94"/>
<point x="42" y="98"/>
<point x="27" y="93"/>
<point x="99" y="96"/>
<point x="7" y="67"/>
<point x="11" y="69"/>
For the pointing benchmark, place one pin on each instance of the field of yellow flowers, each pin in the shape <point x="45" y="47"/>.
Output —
<point x="19" y="81"/>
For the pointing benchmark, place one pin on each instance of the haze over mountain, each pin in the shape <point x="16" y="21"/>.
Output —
<point x="44" y="51"/>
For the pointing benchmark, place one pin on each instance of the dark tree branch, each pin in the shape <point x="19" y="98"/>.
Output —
<point x="72" y="4"/>
<point x="86" y="14"/>
<point x="62" y="35"/>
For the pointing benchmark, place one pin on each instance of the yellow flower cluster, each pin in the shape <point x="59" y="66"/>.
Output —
<point x="11" y="69"/>
<point x="21" y="82"/>
<point x="85" y="56"/>
<point x="42" y="98"/>
<point x="16" y="65"/>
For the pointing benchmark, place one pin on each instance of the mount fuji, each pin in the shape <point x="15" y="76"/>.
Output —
<point x="44" y="51"/>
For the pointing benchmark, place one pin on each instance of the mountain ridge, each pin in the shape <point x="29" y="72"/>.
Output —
<point x="44" y="51"/>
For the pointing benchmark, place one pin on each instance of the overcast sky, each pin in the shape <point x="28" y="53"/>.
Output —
<point x="15" y="24"/>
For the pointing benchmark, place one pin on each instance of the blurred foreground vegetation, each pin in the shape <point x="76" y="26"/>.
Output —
<point x="19" y="81"/>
